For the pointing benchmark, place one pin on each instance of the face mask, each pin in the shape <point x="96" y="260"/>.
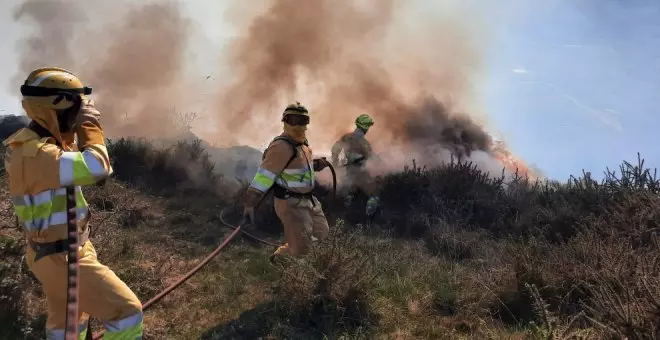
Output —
<point x="295" y="126"/>
<point x="297" y="132"/>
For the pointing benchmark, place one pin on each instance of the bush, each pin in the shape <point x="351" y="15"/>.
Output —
<point x="181" y="166"/>
<point x="458" y="193"/>
<point x="328" y="291"/>
<point x="556" y="260"/>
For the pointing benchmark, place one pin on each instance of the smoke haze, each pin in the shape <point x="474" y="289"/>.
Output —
<point x="134" y="63"/>
<point x="342" y="60"/>
<point x="338" y="59"/>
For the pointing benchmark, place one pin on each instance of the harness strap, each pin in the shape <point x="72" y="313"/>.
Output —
<point x="360" y="161"/>
<point x="49" y="248"/>
<point x="283" y="193"/>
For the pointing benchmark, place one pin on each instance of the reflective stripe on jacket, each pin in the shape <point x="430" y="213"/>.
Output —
<point x="298" y="175"/>
<point x="355" y="146"/>
<point x="38" y="172"/>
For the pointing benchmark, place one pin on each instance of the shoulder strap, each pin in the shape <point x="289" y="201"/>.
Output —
<point x="291" y="142"/>
<point x="294" y="146"/>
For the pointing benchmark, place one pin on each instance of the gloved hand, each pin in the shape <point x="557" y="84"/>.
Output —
<point x="320" y="163"/>
<point x="88" y="125"/>
<point x="248" y="215"/>
<point x="87" y="113"/>
<point x="335" y="160"/>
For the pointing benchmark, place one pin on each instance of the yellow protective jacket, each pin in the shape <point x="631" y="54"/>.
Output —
<point x="297" y="177"/>
<point x="356" y="148"/>
<point x="39" y="171"/>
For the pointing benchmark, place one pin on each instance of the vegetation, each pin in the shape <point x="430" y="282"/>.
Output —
<point x="454" y="253"/>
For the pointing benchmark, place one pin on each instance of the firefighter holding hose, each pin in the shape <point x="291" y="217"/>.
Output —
<point x="288" y="169"/>
<point x="64" y="147"/>
<point x="357" y="151"/>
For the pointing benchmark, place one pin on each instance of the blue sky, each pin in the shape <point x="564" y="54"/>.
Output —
<point x="576" y="85"/>
<point x="569" y="84"/>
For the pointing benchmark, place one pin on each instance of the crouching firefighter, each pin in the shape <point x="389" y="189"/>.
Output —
<point x="288" y="169"/>
<point x="357" y="151"/>
<point x="46" y="167"/>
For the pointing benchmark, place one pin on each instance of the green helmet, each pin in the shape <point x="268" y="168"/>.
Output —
<point x="364" y="121"/>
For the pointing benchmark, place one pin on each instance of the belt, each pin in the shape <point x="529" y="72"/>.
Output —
<point x="49" y="248"/>
<point x="359" y="162"/>
<point x="283" y="193"/>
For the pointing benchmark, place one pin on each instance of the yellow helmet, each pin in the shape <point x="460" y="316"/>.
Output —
<point x="54" y="84"/>
<point x="295" y="114"/>
<point x="49" y="94"/>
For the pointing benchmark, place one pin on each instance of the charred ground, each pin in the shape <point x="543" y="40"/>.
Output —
<point x="453" y="254"/>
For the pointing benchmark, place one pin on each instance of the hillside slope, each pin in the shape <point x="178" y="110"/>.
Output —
<point x="453" y="254"/>
<point x="11" y="123"/>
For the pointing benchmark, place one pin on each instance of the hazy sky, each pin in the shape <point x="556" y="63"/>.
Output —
<point x="569" y="84"/>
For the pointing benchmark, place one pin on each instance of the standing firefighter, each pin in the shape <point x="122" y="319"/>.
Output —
<point x="357" y="151"/>
<point x="42" y="160"/>
<point x="288" y="168"/>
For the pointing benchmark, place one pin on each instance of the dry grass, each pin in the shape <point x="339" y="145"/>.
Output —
<point x="455" y="254"/>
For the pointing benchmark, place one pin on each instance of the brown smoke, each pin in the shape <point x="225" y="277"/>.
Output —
<point x="344" y="58"/>
<point x="135" y="63"/>
<point x="52" y="42"/>
<point x="292" y="40"/>
<point x="340" y="59"/>
<point x="140" y="70"/>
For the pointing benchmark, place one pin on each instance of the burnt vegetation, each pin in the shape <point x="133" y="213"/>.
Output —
<point x="453" y="253"/>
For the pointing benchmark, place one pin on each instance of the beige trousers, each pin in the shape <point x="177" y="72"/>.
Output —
<point x="101" y="294"/>
<point x="302" y="220"/>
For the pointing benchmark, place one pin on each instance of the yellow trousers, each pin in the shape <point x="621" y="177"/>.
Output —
<point x="301" y="220"/>
<point x="101" y="294"/>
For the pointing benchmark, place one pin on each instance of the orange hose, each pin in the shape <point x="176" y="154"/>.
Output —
<point x="192" y="272"/>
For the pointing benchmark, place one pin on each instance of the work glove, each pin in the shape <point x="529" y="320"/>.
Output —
<point x="335" y="160"/>
<point x="320" y="163"/>
<point x="88" y="125"/>
<point x="248" y="215"/>
<point x="87" y="113"/>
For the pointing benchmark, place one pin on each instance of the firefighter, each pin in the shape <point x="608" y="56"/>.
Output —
<point x="357" y="151"/>
<point x="41" y="161"/>
<point x="288" y="169"/>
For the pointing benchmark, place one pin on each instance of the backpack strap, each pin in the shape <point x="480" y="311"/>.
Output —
<point x="294" y="146"/>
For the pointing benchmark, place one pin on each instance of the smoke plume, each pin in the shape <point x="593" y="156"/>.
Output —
<point x="414" y="75"/>
<point x="140" y="69"/>
<point x="133" y="55"/>
<point x="343" y="59"/>
<point x="51" y="44"/>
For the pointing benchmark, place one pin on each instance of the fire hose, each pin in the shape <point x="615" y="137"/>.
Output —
<point x="145" y="306"/>
<point x="71" y="319"/>
<point x="334" y="182"/>
<point x="248" y="234"/>
<point x="188" y="275"/>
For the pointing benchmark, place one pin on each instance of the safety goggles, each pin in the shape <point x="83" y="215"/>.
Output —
<point x="37" y="91"/>
<point x="69" y="94"/>
<point x="294" y="119"/>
